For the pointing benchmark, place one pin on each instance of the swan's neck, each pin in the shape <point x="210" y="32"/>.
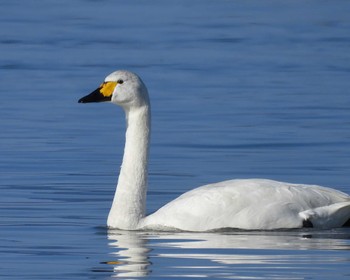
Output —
<point x="129" y="202"/>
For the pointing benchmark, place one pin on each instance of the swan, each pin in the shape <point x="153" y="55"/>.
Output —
<point x="248" y="204"/>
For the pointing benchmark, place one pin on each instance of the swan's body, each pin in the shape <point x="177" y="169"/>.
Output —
<point x="243" y="204"/>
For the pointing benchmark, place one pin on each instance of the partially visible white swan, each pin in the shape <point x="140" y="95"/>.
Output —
<point x="245" y="204"/>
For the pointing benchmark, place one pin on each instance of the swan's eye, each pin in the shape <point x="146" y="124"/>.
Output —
<point x="107" y="88"/>
<point x="120" y="81"/>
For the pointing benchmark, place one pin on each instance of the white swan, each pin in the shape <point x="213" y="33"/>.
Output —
<point x="253" y="204"/>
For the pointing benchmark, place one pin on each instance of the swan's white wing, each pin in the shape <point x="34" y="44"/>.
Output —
<point x="330" y="216"/>
<point x="248" y="204"/>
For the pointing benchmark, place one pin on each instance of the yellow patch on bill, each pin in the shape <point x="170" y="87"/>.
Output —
<point x="107" y="88"/>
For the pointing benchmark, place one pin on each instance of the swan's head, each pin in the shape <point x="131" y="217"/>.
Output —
<point x="123" y="88"/>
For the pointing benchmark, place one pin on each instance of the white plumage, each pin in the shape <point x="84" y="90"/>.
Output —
<point x="244" y="204"/>
<point x="249" y="204"/>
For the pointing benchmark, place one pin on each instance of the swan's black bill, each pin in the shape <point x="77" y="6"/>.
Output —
<point x="95" y="96"/>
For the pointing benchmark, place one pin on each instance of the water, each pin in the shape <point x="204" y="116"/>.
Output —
<point x="239" y="89"/>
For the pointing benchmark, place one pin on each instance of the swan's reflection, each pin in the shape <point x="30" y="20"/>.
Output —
<point x="221" y="251"/>
<point x="131" y="254"/>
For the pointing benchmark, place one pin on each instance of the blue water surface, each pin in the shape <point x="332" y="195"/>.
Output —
<point x="239" y="89"/>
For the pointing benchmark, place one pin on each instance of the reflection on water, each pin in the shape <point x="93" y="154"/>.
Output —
<point x="229" y="255"/>
<point x="132" y="254"/>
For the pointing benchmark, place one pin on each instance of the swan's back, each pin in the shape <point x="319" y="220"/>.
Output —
<point x="244" y="204"/>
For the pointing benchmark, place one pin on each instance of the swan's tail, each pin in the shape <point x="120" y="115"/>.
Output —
<point x="331" y="216"/>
